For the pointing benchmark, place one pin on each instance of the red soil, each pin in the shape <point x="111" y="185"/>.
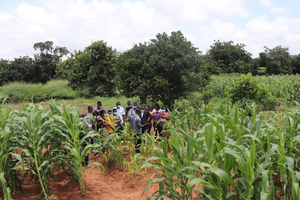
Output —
<point x="97" y="185"/>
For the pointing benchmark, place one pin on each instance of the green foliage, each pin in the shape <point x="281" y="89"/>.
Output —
<point x="295" y="63"/>
<point x="46" y="60"/>
<point x="20" y="92"/>
<point x="230" y="58"/>
<point x="227" y="153"/>
<point x="246" y="89"/>
<point x="278" y="60"/>
<point x="164" y="69"/>
<point x="38" y="70"/>
<point x="20" y="69"/>
<point x="36" y="141"/>
<point x="91" y="72"/>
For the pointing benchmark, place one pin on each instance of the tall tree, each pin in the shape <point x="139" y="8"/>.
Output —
<point x="92" y="71"/>
<point x="24" y="70"/>
<point x="278" y="61"/>
<point x="47" y="58"/>
<point x="165" y="68"/>
<point x="4" y="72"/>
<point x="295" y="63"/>
<point x="230" y="58"/>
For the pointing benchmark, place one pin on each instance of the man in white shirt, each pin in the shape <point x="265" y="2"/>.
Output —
<point x="120" y="112"/>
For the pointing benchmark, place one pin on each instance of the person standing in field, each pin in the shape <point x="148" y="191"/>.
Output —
<point x="147" y="108"/>
<point x="110" y="121"/>
<point x="165" y="115"/>
<point x="121" y="113"/>
<point x="89" y="126"/>
<point x="154" y="110"/>
<point x="146" y="118"/>
<point x="117" y="120"/>
<point x="89" y="121"/>
<point x="128" y="108"/>
<point x="131" y="112"/>
<point x="156" y="117"/>
<point x="102" y="124"/>
<point x="98" y="107"/>
<point x="136" y="127"/>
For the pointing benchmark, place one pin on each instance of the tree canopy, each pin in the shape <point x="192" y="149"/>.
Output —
<point x="230" y="58"/>
<point x="165" y="68"/>
<point x="47" y="59"/>
<point x="278" y="60"/>
<point x="92" y="71"/>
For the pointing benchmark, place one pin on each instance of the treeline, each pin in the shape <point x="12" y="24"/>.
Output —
<point x="39" y="69"/>
<point x="164" y="68"/>
<point x="227" y="57"/>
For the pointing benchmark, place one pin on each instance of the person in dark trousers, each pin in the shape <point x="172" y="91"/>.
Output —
<point x="150" y="125"/>
<point x="157" y="125"/>
<point x="136" y="127"/>
<point x="89" y="127"/>
<point x="84" y="144"/>
<point x="129" y="106"/>
<point x="146" y="118"/>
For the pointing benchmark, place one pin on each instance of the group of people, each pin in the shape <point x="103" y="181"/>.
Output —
<point x="141" y="121"/>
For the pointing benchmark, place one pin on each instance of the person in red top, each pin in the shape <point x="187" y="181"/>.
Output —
<point x="165" y="115"/>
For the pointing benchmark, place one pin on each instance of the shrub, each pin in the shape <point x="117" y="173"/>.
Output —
<point x="247" y="89"/>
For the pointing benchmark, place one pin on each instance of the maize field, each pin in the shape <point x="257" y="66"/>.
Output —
<point x="285" y="87"/>
<point x="221" y="152"/>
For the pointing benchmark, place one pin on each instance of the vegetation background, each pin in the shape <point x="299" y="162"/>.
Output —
<point x="167" y="69"/>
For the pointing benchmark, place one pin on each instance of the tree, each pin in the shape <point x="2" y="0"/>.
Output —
<point x="92" y="71"/>
<point x="230" y="58"/>
<point x="255" y="66"/>
<point x="4" y="72"/>
<point x="278" y="60"/>
<point x="295" y="63"/>
<point x="164" y="68"/>
<point x="23" y="69"/>
<point x="47" y="58"/>
<point x="263" y="59"/>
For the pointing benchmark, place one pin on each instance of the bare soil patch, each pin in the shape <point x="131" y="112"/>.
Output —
<point x="98" y="185"/>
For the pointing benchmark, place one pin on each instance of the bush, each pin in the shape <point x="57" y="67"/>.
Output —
<point x="207" y="96"/>
<point x="247" y="89"/>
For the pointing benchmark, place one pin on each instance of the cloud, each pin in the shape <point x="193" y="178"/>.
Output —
<point x="274" y="9"/>
<point x="257" y="33"/>
<point x="74" y="24"/>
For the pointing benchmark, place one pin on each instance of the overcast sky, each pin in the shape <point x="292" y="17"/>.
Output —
<point x="76" y="23"/>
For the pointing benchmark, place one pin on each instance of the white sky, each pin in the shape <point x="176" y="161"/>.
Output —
<point x="76" y="23"/>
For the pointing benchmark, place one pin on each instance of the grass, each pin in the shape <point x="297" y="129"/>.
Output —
<point x="82" y="103"/>
<point x="108" y="103"/>
<point x="20" y="92"/>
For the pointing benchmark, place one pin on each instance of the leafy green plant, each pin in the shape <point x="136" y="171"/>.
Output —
<point x="248" y="88"/>
<point x="34" y="129"/>
<point x="70" y="126"/>
<point x="9" y="160"/>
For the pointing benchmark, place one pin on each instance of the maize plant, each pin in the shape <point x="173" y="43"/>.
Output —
<point x="69" y="125"/>
<point x="230" y="153"/>
<point x="9" y="178"/>
<point x="34" y="129"/>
